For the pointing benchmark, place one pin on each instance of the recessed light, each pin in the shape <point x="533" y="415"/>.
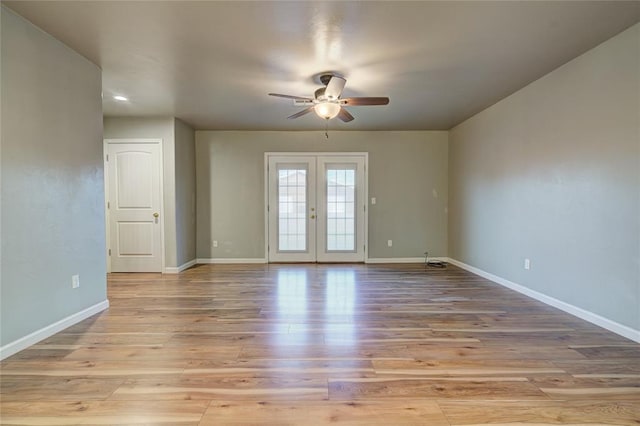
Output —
<point x="120" y="98"/>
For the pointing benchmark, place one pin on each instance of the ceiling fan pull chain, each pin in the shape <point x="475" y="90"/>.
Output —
<point x="326" y="128"/>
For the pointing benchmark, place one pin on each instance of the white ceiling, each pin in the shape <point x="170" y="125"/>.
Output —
<point x="213" y="63"/>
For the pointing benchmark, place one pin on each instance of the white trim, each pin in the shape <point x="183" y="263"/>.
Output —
<point x="184" y="266"/>
<point x="318" y="153"/>
<point x="231" y="260"/>
<point x="366" y="206"/>
<point x="48" y="331"/>
<point x="107" y="213"/>
<point x="596" y="319"/>
<point x="266" y="205"/>
<point x="134" y="140"/>
<point x="397" y="259"/>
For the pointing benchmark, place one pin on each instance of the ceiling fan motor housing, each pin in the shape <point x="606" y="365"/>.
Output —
<point x="325" y="78"/>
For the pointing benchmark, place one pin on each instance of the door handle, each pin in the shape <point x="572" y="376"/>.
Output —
<point x="313" y="216"/>
<point x="156" y="215"/>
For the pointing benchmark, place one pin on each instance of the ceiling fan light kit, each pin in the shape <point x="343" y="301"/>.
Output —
<point x="327" y="103"/>
<point x="327" y="109"/>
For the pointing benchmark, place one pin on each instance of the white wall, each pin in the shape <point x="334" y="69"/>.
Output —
<point x="404" y="170"/>
<point x="552" y="173"/>
<point x="52" y="183"/>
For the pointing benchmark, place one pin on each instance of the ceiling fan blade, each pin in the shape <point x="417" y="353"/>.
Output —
<point x="345" y="116"/>
<point x="290" y="97"/>
<point x="364" y="101"/>
<point x="334" y="87"/>
<point x="301" y="113"/>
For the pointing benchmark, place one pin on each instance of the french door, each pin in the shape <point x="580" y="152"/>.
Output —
<point x="316" y="208"/>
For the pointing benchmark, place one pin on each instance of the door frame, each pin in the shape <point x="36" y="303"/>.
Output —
<point x="316" y="154"/>
<point x="105" y="146"/>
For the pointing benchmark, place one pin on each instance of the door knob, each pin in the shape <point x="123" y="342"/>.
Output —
<point x="313" y="216"/>
<point x="156" y="215"/>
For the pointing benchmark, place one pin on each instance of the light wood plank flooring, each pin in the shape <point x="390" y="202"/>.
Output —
<point x="318" y="344"/>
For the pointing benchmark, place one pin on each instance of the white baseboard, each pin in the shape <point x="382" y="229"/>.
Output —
<point x="596" y="319"/>
<point x="231" y="260"/>
<point x="370" y="260"/>
<point x="395" y="260"/>
<point x="402" y="259"/>
<point x="184" y="266"/>
<point x="48" y="331"/>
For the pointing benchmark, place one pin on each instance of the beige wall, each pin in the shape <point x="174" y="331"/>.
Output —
<point x="154" y="128"/>
<point x="52" y="181"/>
<point x="185" y="193"/>
<point x="404" y="170"/>
<point x="552" y="173"/>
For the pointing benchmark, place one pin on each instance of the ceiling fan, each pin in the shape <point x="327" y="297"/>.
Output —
<point x="327" y="103"/>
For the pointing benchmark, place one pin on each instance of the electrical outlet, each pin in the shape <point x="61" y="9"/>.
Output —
<point x="373" y="200"/>
<point x="75" y="281"/>
<point x="389" y="243"/>
<point x="215" y="243"/>
<point x="527" y="264"/>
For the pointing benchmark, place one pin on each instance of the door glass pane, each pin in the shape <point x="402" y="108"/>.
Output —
<point x="341" y="189"/>
<point x="292" y="209"/>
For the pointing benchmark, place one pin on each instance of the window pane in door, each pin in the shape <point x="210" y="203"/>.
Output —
<point x="292" y="209"/>
<point x="341" y="191"/>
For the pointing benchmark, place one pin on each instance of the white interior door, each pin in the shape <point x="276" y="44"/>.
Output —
<point x="134" y="207"/>
<point x="316" y="208"/>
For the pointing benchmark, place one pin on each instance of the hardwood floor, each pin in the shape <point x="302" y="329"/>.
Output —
<point x="318" y="344"/>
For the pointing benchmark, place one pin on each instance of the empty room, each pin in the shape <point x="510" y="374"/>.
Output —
<point x="320" y="212"/>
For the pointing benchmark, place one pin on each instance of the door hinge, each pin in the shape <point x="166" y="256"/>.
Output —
<point x="108" y="205"/>
<point x="268" y="207"/>
<point x="109" y="252"/>
<point x="107" y="157"/>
